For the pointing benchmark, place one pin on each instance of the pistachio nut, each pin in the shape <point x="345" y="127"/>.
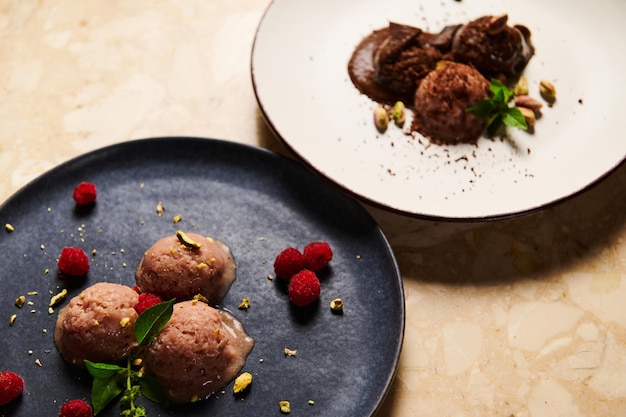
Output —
<point x="529" y="103"/>
<point x="398" y="113"/>
<point x="521" y="88"/>
<point x="547" y="91"/>
<point x="529" y="116"/>
<point x="381" y="118"/>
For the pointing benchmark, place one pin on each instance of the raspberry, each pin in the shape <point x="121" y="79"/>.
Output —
<point x="11" y="386"/>
<point x="85" y="193"/>
<point x="146" y="300"/>
<point x="76" y="408"/>
<point x="73" y="261"/>
<point x="304" y="288"/>
<point x="317" y="255"/>
<point x="288" y="262"/>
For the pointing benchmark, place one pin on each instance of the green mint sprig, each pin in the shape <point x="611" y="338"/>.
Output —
<point x="111" y="380"/>
<point x="497" y="109"/>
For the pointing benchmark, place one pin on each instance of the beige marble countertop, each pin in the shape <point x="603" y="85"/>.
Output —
<point x="522" y="317"/>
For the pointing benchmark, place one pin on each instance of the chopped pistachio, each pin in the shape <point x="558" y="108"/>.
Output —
<point x="285" y="407"/>
<point x="200" y="297"/>
<point x="336" y="304"/>
<point x="245" y="303"/>
<point x="290" y="352"/>
<point x="160" y="209"/>
<point x="187" y="241"/>
<point x="9" y="227"/>
<point x="242" y="382"/>
<point x="58" y="298"/>
<point x="19" y="301"/>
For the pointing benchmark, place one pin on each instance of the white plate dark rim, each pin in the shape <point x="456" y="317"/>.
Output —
<point x="299" y="74"/>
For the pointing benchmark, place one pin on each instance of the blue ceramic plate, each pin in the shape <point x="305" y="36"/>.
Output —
<point x="255" y="201"/>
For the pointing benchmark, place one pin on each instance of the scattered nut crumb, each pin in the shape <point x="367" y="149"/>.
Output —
<point x="336" y="305"/>
<point x="245" y="303"/>
<point x="177" y="218"/>
<point x="242" y="382"/>
<point x="289" y="352"/>
<point x="200" y="297"/>
<point x="311" y="402"/>
<point x="12" y="319"/>
<point x="160" y="209"/>
<point x="58" y="298"/>
<point x="285" y="407"/>
<point x="9" y="228"/>
<point x="38" y="362"/>
<point x="19" y="301"/>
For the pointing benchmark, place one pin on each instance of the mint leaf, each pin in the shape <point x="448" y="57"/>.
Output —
<point x="102" y="370"/>
<point x="103" y="391"/>
<point x="497" y="109"/>
<point x="483" y="108"/>
<point x="151" y="321"/>
<point x="108" y="379"/>
<point x="514" y="118"/>
<point x="152" y="390"/>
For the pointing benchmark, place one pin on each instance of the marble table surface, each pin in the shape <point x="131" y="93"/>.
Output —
<point x="523" y="317"/>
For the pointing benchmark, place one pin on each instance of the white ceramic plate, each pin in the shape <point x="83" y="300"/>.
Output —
<point x="299" y="71"/>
